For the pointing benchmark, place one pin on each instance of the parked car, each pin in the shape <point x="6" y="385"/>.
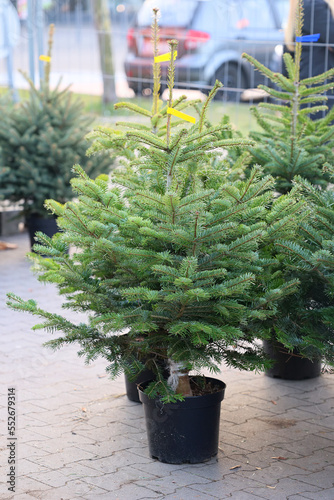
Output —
<point x="212" y="35"/>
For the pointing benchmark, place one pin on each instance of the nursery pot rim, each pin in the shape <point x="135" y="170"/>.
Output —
<point x="290" y="365"/>
<point x="185" y="431"/>
<point x="200" y="401"/>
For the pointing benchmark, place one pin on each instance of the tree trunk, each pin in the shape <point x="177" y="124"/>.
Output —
<point x="179" y="379"/>
<point x="103" y="27"/>
<point x="183" y="387"/>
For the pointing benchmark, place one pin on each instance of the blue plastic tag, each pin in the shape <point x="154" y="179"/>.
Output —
<point x="308" y="38"/>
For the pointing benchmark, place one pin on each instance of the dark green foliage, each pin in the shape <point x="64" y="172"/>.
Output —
<point x="306" y="320"/>
<point x="40" y="141"/>
<point x="290" y="142"/>
<point x="294" y="149"/>
<point x="180" y="270"/>
<point x="166" y="253"/>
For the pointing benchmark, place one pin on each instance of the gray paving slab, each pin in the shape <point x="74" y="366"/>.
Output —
<point x="80" y="438"/>
<point x="321" y="495"/>
<point x="187" y="493"/>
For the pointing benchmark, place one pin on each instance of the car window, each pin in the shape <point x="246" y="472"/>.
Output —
<point x="176" y="13"/>
<point x="282" y="7"/>
<point x="257" y="14"/>
<point x="226" y="16"/>
<point x="218" y="16"/>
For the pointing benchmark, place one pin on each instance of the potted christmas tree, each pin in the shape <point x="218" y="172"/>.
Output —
<point x="40" y="140"/>
<point x="290" y="142"/>
<point x="171" y="260"/>
<point x="289" y="145"/>
<point x="302" y="329"/>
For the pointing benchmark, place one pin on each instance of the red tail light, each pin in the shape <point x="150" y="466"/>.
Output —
<point x="194" y="38"/>
<point x="130" y="38"/>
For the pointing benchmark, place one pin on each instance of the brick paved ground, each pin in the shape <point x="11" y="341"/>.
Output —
<point x="80" y="438"/>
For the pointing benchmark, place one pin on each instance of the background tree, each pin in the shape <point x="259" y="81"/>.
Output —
<point x="41" y="139"/>
<point x="290" y="143"/>
<point x="297" y="152"/>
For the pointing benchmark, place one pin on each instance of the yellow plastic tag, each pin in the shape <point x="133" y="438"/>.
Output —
<point x="165" y="57"/>
<point x="45" y="58"/>
<point x="179" y="114"/>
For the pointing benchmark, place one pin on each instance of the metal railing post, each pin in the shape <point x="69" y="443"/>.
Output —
<point x="40" y="36"/>
<point x="30" y="29"/>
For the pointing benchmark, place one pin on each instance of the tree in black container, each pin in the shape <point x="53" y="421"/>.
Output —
<point x="40" y="140"/>
<point x="294" y="149"/>
<point x="290" y="142"/>
<point x="168" y="255"/>
<point x="301" y="332"/>
<point x="308" y="324"/>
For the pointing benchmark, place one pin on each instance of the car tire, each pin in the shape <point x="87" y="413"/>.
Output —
<point x="232" y="77"/>
<point x="133" y="87"/>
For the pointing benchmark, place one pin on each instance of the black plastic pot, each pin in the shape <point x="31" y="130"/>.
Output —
<point x="290" y="366"/>
<point x="186" y="431"/>
<point x="132" y="387"/>
<point x="46" y="225"/>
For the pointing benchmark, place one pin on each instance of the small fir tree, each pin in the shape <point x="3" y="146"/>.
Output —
<point x="306" y="320"/>
<point x="40" y="141"/>
<point x="290" y="142"/>
<point x="165" y="253"/>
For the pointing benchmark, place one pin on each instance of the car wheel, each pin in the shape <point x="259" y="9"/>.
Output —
<point x="133" y="87"/>
<point x="232" y="77"/>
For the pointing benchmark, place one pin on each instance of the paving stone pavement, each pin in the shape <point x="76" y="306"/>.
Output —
<point x="79" y="437"/>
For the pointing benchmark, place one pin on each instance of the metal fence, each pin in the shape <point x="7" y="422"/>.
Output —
<point x="76" y="57"/>
<point x="75" y="52"/>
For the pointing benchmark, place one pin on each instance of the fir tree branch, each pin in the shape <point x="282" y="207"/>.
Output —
<point x="284" y="82"/>
<point x="133" y="107"/>
<point x="298" y="46"/>
<point x="260" y="67"/>
<point x="170" y="81"/>
<point x="132" y="125"/>
<point x="194" y="198"/>
<point x="172" y="161"/>
<point x="253" y="175"/>
<point x="284" y="96"/>
<point x="239" y="242"/>
<point x="177" y="103"/>
<point x="323" y="88"/>
<point x="273" y="107"/>
<point x="318" y="78"/>
<point x="146" y="138"/>
<point x="219" y="219"/>
<point x="193" y="251"/>
<point x="208" y="100"/>
<point x="178" y="138"/>
<point x="290" y="65"/>
<point x="312" y="109"/>
<point x="296" y="250"/>
<point x="313" y="98"/>
<point x="273" y="295"/>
